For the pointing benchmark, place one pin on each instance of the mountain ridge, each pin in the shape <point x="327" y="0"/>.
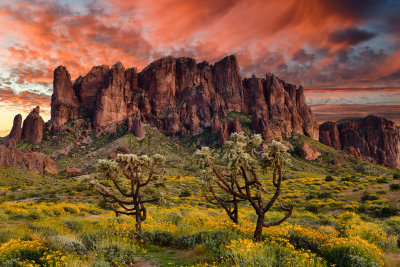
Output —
<point x="180" y="96"/>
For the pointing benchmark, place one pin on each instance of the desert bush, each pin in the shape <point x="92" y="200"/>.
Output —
<point x="386" y="211"/>
<point x="91" y="240"/>
<point x="216" y="241"/>
<point x="245" y="252"/>
<point x="191" y="241"/>
<point x="396" y="176"/>
<point x="336" y="250"/>
<point x="185" y="193"/>
<point x="312" y="207"/>
<point x="162" y="238"/>
<point x="117" y="254"/>
<point x="367" y="196"/>
<point x="370" y="232"/>
<point x="329" y="178"/>
<point x="73" y="224"/>
<point x="394" y="187"/>
<point x="29" y="252"/>
<point x="68" y="243"/>
<point x="382" y="180"/>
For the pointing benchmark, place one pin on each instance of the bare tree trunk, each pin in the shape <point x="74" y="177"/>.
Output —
<point x="138" y="222"/>
<point x="259" y="227"/>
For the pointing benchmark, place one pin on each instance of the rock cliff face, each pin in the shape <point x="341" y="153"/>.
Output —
<point x="32" y="129"/>
<point x="180" y="96"/>
<point x="36" y="162"/>
<point x="16" y="130"/>
<point x="64" y="103"/>
<point x="373" y="138"/>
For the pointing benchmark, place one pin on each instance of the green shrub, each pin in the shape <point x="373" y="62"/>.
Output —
<point x="68" y="243"/>
<point x="361" y="261"/>
<point x="387" y="211"/>
<point x="22" y="251"/>
<point x="382" y="180"/>
<point x="217" y="241"/>
<point x="394" y="187"/>
<point x="74" y="225"/>
<point x="191" y="241"/>
<point x="314" y="208"/>
<point x="185" y="193"/>
<point x="337" y="251"/>
<point x="91" y="240"/>
<point x="117" y="254"/>
<point x="329" y="178"/>
<point x="70" y="210"/>
<point x="396" y="176"/>
<point x="6" y="235"/>
<point x="367" y="196"/>
<point x="162" y="238"/>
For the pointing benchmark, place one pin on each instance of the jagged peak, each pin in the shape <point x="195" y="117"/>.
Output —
<point x="118" y="66"/>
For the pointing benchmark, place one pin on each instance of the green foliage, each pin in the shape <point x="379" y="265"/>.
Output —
<point x="367" y="196"/>
<point x="394" y="187"/>
<point x="382" y="180"/>
<point x="117" y="254"/>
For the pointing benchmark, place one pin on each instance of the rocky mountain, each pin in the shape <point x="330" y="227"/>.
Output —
<point x="373" y="138"/>
<point x="180" y="97"/>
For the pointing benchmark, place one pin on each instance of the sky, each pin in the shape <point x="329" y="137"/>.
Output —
<point x="346" y="53"/>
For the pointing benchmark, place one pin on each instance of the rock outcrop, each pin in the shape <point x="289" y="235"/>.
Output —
<point x="215" y="124"/>
<point x="180" y="96"/>
<point x="228" y="127"/>
<point x="373" y="138"/>
<point x="16" y="130"/>
<point x="329" y="135"/>
<point x="36" y="162"/>
<point x="138" y="128"/>
<point x="278" y="108"/>
<point x="309" y="152"/>
<point x="64" y="103"/>
<point x="32" y="129"/>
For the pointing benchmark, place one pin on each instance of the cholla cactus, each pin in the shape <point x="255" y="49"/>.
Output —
<point x="238" y="180"/>
<point x="128" y="173"/>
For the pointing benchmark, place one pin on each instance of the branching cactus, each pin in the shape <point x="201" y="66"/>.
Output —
<point x="238" y="179"/>
<point x="127" y="175"/>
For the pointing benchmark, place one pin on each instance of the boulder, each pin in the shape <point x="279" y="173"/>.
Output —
<point x="32" y="129"/>
<point x="309" y="152"/>
<point x="73" y="170"/>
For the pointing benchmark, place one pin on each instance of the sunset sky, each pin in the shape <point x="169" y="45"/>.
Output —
<point x="345" y="52"/>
